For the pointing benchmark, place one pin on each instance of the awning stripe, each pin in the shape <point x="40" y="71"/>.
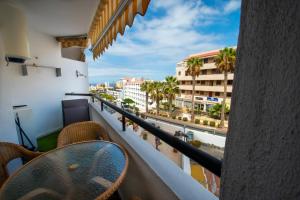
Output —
<point x="111" y="18"/>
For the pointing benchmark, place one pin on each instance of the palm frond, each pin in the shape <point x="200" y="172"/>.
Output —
<point x="225" y="60"/>
<point x="193" y="66"/>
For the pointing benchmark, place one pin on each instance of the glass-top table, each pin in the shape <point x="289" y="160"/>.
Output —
<point x="87" y="170"/>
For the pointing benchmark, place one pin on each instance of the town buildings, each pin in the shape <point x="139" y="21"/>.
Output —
<point x="209" y="85"/>
<point x="120" y="83"/>
<point x="117" y="93"/>
<point x="100" y="87"/>
<point x="132" y="90"/>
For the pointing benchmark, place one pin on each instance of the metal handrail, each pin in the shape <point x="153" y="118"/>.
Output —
<point x="206" y="160"/>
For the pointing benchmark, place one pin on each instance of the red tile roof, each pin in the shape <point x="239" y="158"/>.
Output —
<point x="204" y="54"/>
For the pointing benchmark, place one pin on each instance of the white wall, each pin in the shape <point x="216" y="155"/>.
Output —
<point x="41" y="90"/>
<point x="208" y="138"/>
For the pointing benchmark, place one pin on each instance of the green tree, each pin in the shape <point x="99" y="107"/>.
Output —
<point x="157" y="93"/>
<point x="193" y="68"/>
<point x="108" y="97"/>
<point x="170" y="90"/>
<point x="147" y="87"/>
<point x="225" y="62"/>
<point x="128" y="101"/>
<point x="215" y="111"/>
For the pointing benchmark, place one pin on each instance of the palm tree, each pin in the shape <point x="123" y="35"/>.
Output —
<point x="157" y="93"/>
<point x="193" y="68"/>
<point x="170" y="90"/>
<point x="225" y="62"/>
<point x="147" y="88"/>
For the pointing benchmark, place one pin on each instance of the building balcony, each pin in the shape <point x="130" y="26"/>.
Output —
<point x="208" y="66"/>
<point x="205" y="77"/>
<point x="207" y="88"/>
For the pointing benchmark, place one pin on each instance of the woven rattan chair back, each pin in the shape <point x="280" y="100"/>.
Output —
<point x="81" y="131"/>
<point x="10" y="151"/>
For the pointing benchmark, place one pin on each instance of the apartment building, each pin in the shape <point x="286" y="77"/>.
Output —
<point x="209" y="85"/>
<point x="132" y="90"/>
<point x="117" y="93"/>
<point x="119" y="84"/>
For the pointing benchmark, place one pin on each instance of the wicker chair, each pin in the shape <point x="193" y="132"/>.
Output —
<point x="10" y="151"/>
<point x="81" y="131"/>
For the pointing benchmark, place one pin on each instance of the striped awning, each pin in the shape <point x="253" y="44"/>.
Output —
<point x="111" y="18"/>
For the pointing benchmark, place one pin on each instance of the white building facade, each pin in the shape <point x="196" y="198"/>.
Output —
<point x="132" y="90"/>
<point x="118" y="94"/>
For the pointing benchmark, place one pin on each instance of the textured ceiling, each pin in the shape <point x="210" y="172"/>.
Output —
<point x="59" y="17"/>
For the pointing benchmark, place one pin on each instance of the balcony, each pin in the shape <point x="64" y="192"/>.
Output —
<point x="205" y="77"/>
<point x="262" y="149"/>
<point x="213" y="88"/>
<point x="208" y="66"/>
<point x="151" y="174"/>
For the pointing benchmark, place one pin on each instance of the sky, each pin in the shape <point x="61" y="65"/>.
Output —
<point x="169" y="32"/>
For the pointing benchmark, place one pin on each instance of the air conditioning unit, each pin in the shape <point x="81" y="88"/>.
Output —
<point x="13" y="28"/>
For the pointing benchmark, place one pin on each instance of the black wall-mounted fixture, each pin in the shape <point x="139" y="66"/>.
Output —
<point x="14" y="59"/>
<point x="78" y="74"/>
<point x="58" y="72"/>
<point x="24" y="70"/>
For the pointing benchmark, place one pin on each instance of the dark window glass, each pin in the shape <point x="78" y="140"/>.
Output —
<point x="229" y="82"/>
<point x="215" y="71"/>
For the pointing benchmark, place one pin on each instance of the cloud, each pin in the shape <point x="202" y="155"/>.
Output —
<point x="170" y="36"/>
<point x="171" y="30"/>
<point x="232" y="5"/>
